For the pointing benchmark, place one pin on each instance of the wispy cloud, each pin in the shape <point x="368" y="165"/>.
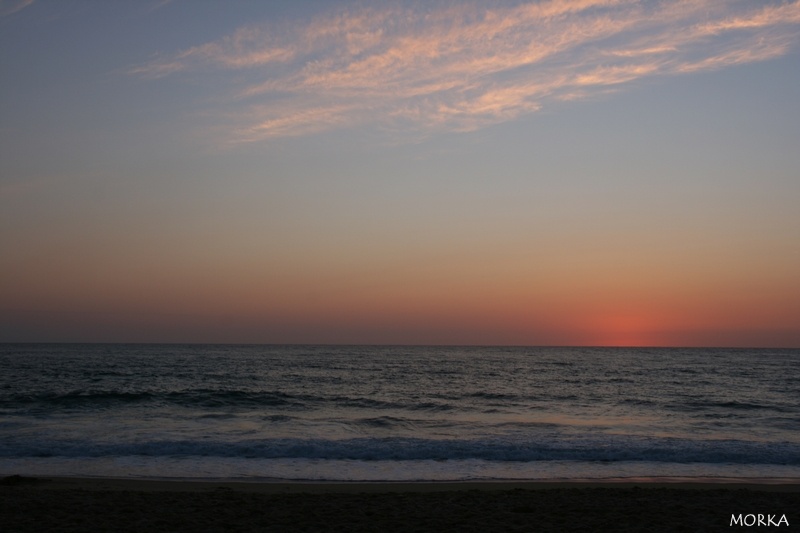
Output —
<point x="8" y="7"/>
<point x="462" y="67"/>
<point x="160" y="4"/>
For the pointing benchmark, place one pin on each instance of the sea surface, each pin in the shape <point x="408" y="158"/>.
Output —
<point x="377" y="413"/>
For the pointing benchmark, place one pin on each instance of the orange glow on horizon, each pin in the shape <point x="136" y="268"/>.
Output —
<point x="625" y="329"/>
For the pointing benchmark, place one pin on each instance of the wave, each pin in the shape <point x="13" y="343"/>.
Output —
<point x="204" y="399"/>
<point x="98" y="398"/>
<point x="407" y="449"/>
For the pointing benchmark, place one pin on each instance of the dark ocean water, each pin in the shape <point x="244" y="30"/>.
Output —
<point x="397" y="413"/>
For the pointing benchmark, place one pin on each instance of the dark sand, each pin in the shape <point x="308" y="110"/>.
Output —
<point x="78" y="504"/>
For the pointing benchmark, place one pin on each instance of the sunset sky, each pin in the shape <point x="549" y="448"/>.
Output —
<point x="563" y="172"/>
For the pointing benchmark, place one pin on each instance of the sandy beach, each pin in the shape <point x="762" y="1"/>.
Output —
<point x="93" y="504"/>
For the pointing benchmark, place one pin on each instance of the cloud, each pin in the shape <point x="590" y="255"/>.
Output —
<point x="460" y="67"/>
<point x="8" y="7"/>
<point x="159" y="5"/>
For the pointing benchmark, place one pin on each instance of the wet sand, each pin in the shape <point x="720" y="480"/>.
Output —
<point x="86" y="504"/>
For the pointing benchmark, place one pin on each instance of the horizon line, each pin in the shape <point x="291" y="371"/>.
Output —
<point x="414" y="345"/>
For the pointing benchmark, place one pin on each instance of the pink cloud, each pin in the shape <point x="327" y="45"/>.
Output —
<point x="9" y="7"/>
<point x="460" y="67"/>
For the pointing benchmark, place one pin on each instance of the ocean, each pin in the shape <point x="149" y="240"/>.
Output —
<point x="398" y="413"/>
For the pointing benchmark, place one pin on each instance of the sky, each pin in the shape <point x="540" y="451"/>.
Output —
<point x="555" y="172"/>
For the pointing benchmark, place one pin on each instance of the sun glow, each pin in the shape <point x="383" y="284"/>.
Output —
<point x="625" y="329"/>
